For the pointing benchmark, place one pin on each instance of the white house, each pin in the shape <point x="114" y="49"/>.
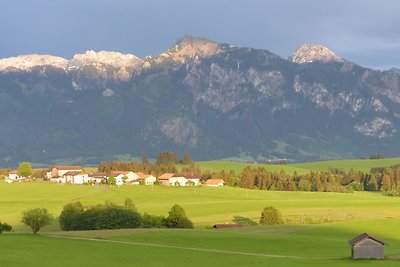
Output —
<point x="76" y="177"/>
<point x="215" y="182"/>
<point x="178" y="180"/>
<point x="185" y="179"/>
<point x="128" y="176"/>
<point x="164" y="178"/>
<point x="146" y="179"/>
<point x="59" y="171"/>
<point x="13" y="175"/>
<point x="97" y="177"/>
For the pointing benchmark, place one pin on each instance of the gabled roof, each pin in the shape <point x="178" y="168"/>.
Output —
<point x="120" y="172"/>
<point x="142" y="175"/>
<point x="66" y="168"/>
<point x="74" y="173"/>
<point x="363" y="236"/>
<point x="188" y="175"/>
<point x="166" y="176"/>
<point x="13" y="172"/>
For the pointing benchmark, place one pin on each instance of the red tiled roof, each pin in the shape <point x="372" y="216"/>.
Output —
<point x="120" y="172"/>
<point x="166" y="176"/>
<point x="67" y="167"/>
<point x="142" y="175"/>
<point x="13" y="172"/>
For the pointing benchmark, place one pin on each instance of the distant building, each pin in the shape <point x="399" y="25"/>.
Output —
<point x="146" y="179"/>
<point x="13" y="175"/>
<point x="59" y="171"/>
<point x="365" y="246"/>
<point x="128" y="177"/>
<point x="215" y="182"/>
<point x="165" y="178"/>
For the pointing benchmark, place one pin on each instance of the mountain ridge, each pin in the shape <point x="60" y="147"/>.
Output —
<point x="213" y="100"/>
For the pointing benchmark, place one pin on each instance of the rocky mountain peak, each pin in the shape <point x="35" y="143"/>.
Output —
<point x="313" y="52"/>
<point x="190" y="47"/>
<point x="115" y="59"/>
<point x="27" y="62"/>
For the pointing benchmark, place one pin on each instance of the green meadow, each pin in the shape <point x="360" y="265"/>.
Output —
<point x="317" y="227"/>
<point x="363" y="165"/>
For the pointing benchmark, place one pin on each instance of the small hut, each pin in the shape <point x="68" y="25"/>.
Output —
<point x="366" y="246"/>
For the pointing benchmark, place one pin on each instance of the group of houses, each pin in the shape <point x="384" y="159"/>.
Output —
<point x="76" y="175"/>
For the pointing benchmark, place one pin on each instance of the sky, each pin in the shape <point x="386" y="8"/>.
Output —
<point x="366" y="32"/>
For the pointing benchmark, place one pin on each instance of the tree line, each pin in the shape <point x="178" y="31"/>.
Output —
<point x="166" y="162"/>
<point x="332" y="180"/>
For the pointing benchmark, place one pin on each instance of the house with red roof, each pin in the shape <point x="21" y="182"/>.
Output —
<point x="146" y="179"/>
<point x="215" y="182"/>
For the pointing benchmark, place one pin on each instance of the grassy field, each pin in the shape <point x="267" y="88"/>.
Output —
<point x="204" y="205"/>
<point x="318" y="226"/>
<point x="363" y="165"/>
<point x="288" y="245"/>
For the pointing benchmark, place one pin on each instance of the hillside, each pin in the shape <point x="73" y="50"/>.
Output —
<point x="213" y="100"/>
<point x="363" y="165"/>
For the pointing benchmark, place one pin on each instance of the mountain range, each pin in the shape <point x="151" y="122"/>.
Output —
<point x="210" y="99"/>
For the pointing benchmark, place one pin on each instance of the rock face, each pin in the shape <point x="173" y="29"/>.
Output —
<point x="311" y="52"/>
<point x="213" y="100"/>
<point x="27" y="62"/>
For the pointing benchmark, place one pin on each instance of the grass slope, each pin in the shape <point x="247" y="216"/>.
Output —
<point x="204" y="205"/>
<point x="320" y="224"/>
<point x="364" y="165"/>
<point x="287" y="245"/>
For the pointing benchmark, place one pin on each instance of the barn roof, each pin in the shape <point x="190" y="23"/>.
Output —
<point x="227" y="225"/>
<point x="363" y="236"/>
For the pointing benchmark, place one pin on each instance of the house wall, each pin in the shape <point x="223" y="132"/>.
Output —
<point x="80" y="179"/>
<point x="178" y="180"/>
<point x="150" y="180"/>
<point x="164" y="182"/>
<point x="368" y="249"/>
<point x="13" y="176"/>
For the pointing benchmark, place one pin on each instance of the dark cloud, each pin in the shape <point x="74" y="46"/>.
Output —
<point x="363" y="31"/>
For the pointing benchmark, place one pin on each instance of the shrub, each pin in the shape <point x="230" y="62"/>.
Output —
<point x="70" y="215"/>
<point x="153" y="221"/>
<point x="107" y="216"/>
<point x="271" y="216"/>
<point x="5" y="227"/>
<point x="177" y="218"/>
<point x="36" y="218"/>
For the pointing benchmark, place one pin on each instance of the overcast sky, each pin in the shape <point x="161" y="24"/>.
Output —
<point x="366" y="32"/>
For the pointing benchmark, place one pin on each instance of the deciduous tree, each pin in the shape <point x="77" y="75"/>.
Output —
<point x="36" y="218"/>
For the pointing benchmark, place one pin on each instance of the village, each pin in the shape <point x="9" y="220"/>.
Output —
<point x="76" y="175"/>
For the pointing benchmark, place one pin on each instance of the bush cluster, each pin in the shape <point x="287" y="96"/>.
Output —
<point x="111" y="216"/>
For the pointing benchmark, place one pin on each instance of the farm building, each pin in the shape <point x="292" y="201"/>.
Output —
<point x="13" y="175"/>
<point x="59" y="171"/>
<point x="215" y="182"/>
<point x="125" y="176"/>
<point x="146" y="179"/>
<point x="365" y="246"/>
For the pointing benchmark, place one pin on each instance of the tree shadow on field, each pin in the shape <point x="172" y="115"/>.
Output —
<point x="243" y="220"/>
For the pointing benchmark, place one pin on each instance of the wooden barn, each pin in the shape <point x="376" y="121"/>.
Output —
<point x="365" y="246"/>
